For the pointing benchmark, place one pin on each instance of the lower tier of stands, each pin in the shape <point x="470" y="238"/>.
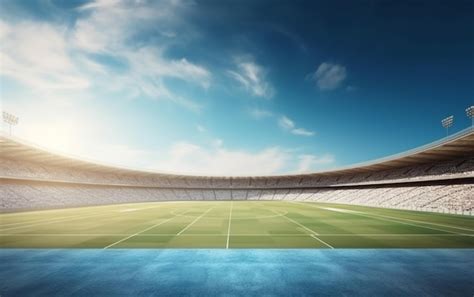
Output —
<point x="21" y="195"/>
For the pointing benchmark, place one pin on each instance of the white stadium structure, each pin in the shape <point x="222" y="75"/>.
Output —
<point x="437" y="177"/>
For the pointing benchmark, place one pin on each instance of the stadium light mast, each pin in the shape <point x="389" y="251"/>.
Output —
<point x="10" y="120"/>
<point x="447" y="123"/>
<point x="470" y="114"/>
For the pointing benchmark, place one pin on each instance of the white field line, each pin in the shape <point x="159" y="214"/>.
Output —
<point x="244" y="234"/>
<point x="195" y="220"/>
<point x="322" y="241"/>
<point x="299" y="224"/>
<point x="313" y="233"/>
<point x="137" y="233"/>
<point x="389" y="219"/>
<point x="52" y="221"/>
<point x="228" y="227"/>
<point x="68" y="216"/>
<point x="33" y="221"/>
<point x="385" y="216"/>
<point x="42" y="212"/>
<point x="424" y="222"/>
<point x="46" y="220"/>
<point x="130" y="209"/>
<point x="404" y="223"/>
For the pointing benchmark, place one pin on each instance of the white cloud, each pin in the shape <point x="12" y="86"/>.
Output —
<point x="108" y="25"/>
<point x="190" y="158"/>
<point x="310" y="163"/>
<point x="148" y="62"/>
<point x="286" y="123"/>
<point x="289" y="125"/>
<point x="37" y="55"/>
<point x="99" y="32"/>
<point x="252" y="77"/>
<point x="258" y="113"/>
<point x="329" y="76"/>
<point x="51" y="57"/>
<point x="147" y="71"/>
<point x="302" y="132"/>
<point x="99" y="3"/>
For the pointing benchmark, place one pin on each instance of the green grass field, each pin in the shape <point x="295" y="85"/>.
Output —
<point x="237" y="224"/>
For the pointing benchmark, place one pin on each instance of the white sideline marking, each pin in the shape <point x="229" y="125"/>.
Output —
<point x="322" y="241"/>
<point x="51" y="221"/>
<point x="228" y="227"/>
<point x="34" y="221"/>
<point x="195" y="220"/>
<point x="136" y="209"/>
<point x="293" y="221"/>
<point x="135" y="234"/>
<point x="385" y="216"/>
<point x="130" y="209"/>
<point x="428" y="223"/>
<point x="338" y="210"/>
<point x="29" y="223"/>
<point x="392" y="219"/>
<point x="248" y="234"/>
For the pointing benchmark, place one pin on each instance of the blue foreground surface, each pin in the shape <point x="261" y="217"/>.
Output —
<point x="137" y="272"/>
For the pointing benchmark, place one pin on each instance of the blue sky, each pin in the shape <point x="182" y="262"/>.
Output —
<point x="236" y="87"/>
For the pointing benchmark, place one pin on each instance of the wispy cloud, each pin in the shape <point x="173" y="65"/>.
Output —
<point x="329" y="76"/>
<point x="37" y="55"/>
<point x="190" y="158"/>
<point x="252" y="77"/>
<point x="302" y="132"/>
<point x="289" y="125"/>
<point x="147" y="73"/>
<point x="308" y="163"/>
<point x="148" y="67"/>
<point x="185" y="157"/>
<point x="99" y="4"/>
<point x="258" y="113"/>
<point x="98" y="28"/>
<point x="286" y="123"/>
<point x="53" y="56"/>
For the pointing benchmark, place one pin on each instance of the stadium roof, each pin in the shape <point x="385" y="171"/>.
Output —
<point x="455" y="146"/>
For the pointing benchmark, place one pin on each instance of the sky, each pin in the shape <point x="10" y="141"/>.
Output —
<point x="235" y="87"/>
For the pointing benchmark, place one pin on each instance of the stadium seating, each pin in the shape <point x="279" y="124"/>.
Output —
<point x="443" y="186"/>
<point x="441" y="198"/>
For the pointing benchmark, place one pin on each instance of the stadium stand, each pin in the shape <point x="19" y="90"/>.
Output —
<point x="437" y="177"/>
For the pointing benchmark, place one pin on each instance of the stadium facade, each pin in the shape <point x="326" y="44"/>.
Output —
<point x="437" y="177"/>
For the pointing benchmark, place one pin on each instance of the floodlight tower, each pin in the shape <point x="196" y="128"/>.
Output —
<point x="10" y="120"/>
<point x="447" y="123"/>
<point x="470" y="114"/>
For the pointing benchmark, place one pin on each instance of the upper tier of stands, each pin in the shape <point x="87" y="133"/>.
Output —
<point x="435" y="177"/>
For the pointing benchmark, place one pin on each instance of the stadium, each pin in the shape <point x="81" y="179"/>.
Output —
<point x="230" y="148"/>
<point x="227" y="233"/>
<point x="364" y="205"/>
